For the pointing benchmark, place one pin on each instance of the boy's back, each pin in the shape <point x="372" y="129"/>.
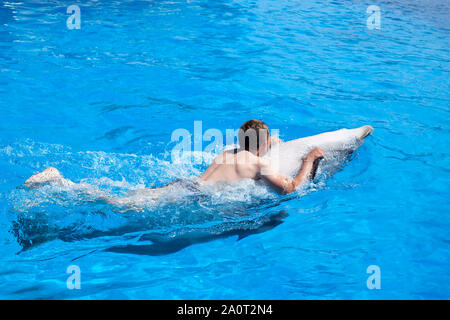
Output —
<point x="233" y="165"/>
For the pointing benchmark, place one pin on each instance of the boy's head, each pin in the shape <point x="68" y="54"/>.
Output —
<point x="254" y="136"/>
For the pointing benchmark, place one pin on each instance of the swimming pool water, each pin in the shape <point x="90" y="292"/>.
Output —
<point x="100" y="104"/>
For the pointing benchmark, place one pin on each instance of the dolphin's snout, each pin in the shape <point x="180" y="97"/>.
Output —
<point x="366" y="131"/>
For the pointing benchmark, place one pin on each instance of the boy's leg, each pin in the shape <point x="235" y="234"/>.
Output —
<point x="50" y="175"/>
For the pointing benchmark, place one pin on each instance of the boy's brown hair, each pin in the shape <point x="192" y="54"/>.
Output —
<point x="253" y="131"/>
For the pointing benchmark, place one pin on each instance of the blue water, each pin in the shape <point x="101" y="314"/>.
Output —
<point x="100" y="104"/>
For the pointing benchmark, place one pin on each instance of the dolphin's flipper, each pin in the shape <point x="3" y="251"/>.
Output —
<point x="312" y="175"/>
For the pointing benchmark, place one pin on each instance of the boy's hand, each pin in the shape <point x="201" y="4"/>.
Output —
<point x="314" y="154"/>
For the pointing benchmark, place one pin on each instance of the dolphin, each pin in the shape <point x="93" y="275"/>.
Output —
<point x="287" y="157"/>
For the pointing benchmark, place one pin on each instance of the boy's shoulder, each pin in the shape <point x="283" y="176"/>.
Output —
<point x="237" y="156"/>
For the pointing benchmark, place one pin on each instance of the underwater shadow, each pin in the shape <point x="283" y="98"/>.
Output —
<point x="163" y="244"/>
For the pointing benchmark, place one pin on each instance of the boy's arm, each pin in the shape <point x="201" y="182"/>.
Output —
<point x="285" y="184"/>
